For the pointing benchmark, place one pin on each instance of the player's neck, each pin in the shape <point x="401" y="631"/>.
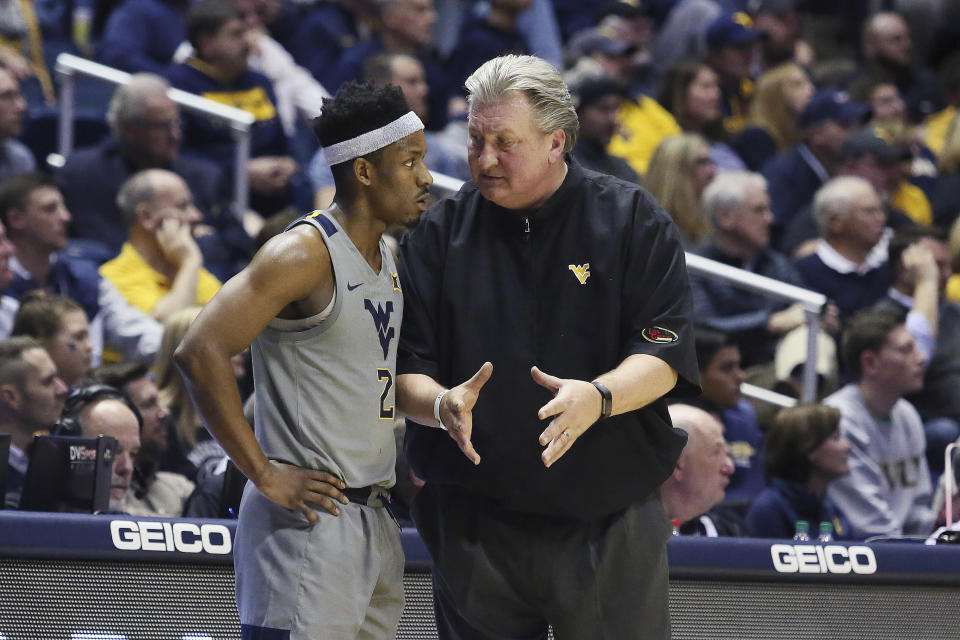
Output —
<point x="364" y="230"/>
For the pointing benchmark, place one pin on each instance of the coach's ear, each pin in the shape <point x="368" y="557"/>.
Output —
<point x="558" y="141"/>
<point x="362" y="171"/>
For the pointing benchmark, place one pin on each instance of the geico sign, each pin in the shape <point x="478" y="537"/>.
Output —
<point x="185" y="537"/>
<point x="832" y="558"/>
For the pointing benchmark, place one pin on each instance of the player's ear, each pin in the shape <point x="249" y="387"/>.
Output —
<point x="362" y="171"/>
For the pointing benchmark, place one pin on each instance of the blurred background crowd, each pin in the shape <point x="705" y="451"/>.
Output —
<point x="816" y="143"/>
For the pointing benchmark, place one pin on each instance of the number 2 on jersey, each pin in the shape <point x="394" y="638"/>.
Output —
<point x="386" y="413"/>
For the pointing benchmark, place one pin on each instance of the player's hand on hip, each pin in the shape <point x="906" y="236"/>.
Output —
<point x="576" y="405"/>
<point x="297" y="489"/>
<point x="456" y="410"/>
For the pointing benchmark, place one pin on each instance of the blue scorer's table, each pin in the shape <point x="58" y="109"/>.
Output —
<point x="124" y="578"/>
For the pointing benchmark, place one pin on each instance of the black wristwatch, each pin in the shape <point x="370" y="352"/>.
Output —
<point x="606" y="406"/>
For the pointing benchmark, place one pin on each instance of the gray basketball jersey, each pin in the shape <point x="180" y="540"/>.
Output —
<point x="325" y="390"/>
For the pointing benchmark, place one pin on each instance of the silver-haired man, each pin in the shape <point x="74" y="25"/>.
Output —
<point x="542" y="503"/>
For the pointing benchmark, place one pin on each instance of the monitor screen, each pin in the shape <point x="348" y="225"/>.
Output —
<point x="67" y="473"/>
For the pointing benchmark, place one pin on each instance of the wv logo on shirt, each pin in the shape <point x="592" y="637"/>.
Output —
<point x="582" y="271"/>
<point x="381" y="319"/>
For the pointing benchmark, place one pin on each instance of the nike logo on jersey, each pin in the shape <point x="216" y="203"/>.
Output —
<point x="351" y="287"/>
<point x="581" y="271"/>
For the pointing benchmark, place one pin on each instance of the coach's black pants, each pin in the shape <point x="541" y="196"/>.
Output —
<point x="503" y="575"/>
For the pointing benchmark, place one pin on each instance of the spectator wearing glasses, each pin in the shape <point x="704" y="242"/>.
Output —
<point x="160" y="268"/>
<point x="146" y="134"/>
<point x="152" y="492"/>
<point x="738" y="207"/>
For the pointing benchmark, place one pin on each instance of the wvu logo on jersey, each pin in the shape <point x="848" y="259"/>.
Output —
<point x="582" y="271"/>
<point x="381" y="319"/>
<point x="396" y="282"/>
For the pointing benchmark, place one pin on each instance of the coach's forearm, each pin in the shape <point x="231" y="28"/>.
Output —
<point x="416" y="394"/>
<point x="637" y="381"/>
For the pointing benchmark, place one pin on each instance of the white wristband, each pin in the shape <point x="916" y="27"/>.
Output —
<point x="436" y="409"/>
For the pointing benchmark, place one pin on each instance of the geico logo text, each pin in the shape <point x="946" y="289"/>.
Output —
<point x="185" y="537"/>
<point x="831" y="558"/>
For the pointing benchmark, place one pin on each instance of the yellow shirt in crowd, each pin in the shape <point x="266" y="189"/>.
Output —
<point x="911" y="199"/>
<point x="143" y="287"/>
<point x="936" y="128"/>
<point x="642" y="125"/>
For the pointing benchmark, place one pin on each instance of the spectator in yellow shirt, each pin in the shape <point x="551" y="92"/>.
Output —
<point x="160" y="268"/>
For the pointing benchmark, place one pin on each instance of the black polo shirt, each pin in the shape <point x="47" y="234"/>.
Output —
<point x="593" y="276"/>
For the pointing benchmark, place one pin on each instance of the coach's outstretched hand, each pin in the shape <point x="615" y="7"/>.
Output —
<point x="456" y="410"/>
<point x="576" y="405"/>
<point x="296" y="489"/>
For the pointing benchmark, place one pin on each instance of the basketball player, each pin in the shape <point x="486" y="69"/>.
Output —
<point x="317" y="554"/>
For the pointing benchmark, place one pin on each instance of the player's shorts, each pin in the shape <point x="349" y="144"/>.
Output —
<point x="339" y="578"/>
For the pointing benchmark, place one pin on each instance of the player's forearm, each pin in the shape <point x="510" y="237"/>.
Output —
<point x="416" y="395"/>
<point x="637" y="381"/>
<point x="213" y="388"/>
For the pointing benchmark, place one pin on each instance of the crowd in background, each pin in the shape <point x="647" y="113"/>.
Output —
<point x="814" y="143"/>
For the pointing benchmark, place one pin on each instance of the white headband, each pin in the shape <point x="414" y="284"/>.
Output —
<point x="373" y="140"/>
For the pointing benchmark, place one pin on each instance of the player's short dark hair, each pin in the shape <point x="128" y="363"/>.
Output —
<point x="357" y="107"/>
<point x="206" y="17"/>
<point x="16" y="190"/>
<point x="868" y="330"/>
